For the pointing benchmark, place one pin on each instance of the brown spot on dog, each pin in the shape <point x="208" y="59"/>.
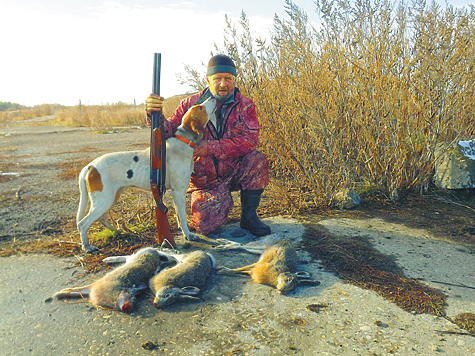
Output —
<point x="94" y="181"/>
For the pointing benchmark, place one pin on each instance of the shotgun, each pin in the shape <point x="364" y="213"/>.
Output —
<point x="158" y="163"/>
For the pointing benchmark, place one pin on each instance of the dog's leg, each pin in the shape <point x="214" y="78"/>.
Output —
<point x="104" y="220"/>
<point x="101" y="202"/>
<point x="179" y="202"/>
<point x="83" y="194"/>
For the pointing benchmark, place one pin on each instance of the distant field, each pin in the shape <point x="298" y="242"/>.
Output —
<point x="101" y="116"/>
<point x="359" y="102"/>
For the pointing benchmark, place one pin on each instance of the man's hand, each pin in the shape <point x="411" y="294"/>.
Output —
<point x="153" y="103"/>
<point x="201" y="150"/>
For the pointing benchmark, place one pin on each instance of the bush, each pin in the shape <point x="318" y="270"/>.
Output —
<point x="360" y="101"/>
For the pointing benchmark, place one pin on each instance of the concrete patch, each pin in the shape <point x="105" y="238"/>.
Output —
<point x="439" y="264"/>
<point x="237" y="316"/>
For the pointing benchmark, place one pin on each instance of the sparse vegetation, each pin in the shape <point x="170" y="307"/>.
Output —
<point x="6" y="105"/>
<point x="104" y="116"/>
<point x="359" y="100"/>
<point x="357" y="96"/>
<point x="16" y="112"/>
<point x="100" y="116"/>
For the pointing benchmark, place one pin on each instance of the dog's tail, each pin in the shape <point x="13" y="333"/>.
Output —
<point x="83" y="194"/>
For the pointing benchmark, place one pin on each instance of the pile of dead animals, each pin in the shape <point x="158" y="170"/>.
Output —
<point x="174" y="277"/>
<point x="171" y="276"/>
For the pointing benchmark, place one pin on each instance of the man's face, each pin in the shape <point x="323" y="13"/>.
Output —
<point x="221" y="85"/>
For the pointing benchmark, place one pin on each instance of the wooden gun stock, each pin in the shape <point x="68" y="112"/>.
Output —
<point x="158" y="164"/>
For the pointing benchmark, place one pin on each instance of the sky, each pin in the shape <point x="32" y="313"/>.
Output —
<point x="101" y="52"/>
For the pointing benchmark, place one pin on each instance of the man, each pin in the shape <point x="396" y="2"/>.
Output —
<point x="227" y="158"/>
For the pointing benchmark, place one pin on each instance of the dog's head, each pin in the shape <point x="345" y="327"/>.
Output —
<point x="197" y="116"/>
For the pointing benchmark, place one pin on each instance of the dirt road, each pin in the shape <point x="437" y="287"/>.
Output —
<point x="237" y="316"/>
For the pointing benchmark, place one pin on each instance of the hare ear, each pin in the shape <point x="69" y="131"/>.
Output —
<point x="308" y="282"/>
<point x="190" y="299"/>
<point x="302" y="275"/>
<point x="166" y="260"/>
<point x="190" y="290"/>
<point x="304" y="279"/>
<point x="187" y="294"/>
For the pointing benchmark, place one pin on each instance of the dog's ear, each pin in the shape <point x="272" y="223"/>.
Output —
<point x="195" y="119"/>
<point x="196" y="126"/>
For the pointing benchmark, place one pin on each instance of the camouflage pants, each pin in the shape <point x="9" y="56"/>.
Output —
<point x="210" y="206"/>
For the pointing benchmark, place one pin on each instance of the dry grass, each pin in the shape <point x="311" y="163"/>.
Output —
<point x="466" y="321"/>
<point x="133" y="215"/>
<point x="72" y="169"/>
<point x="110" y="115"/>
<point x="356" y="262"/>
<point x="28" y="113"/>
<point x="100" y="116"/>
<point x="361" y="101"/>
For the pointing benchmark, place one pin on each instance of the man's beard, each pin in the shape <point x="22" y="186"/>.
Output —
<point x="223" y="98"/>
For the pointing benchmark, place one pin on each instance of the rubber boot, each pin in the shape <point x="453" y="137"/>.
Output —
<point x="250" y="200"/>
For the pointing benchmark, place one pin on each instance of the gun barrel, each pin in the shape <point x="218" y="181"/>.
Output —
<point x="157" y="61"/>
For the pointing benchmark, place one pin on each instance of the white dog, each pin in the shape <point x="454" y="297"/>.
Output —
<point x="104" y="178"/>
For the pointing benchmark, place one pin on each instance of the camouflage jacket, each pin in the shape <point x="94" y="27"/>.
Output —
<point x="236" y="135"/>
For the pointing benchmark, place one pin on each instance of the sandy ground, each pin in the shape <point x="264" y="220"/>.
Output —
<point x="237" y="316"/>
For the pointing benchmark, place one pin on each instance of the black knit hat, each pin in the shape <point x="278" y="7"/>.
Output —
<point x="221" y="64"/>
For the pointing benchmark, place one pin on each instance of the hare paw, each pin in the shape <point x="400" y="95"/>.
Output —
<point x="90" y="248"/>
<point x="193" y="237"/>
